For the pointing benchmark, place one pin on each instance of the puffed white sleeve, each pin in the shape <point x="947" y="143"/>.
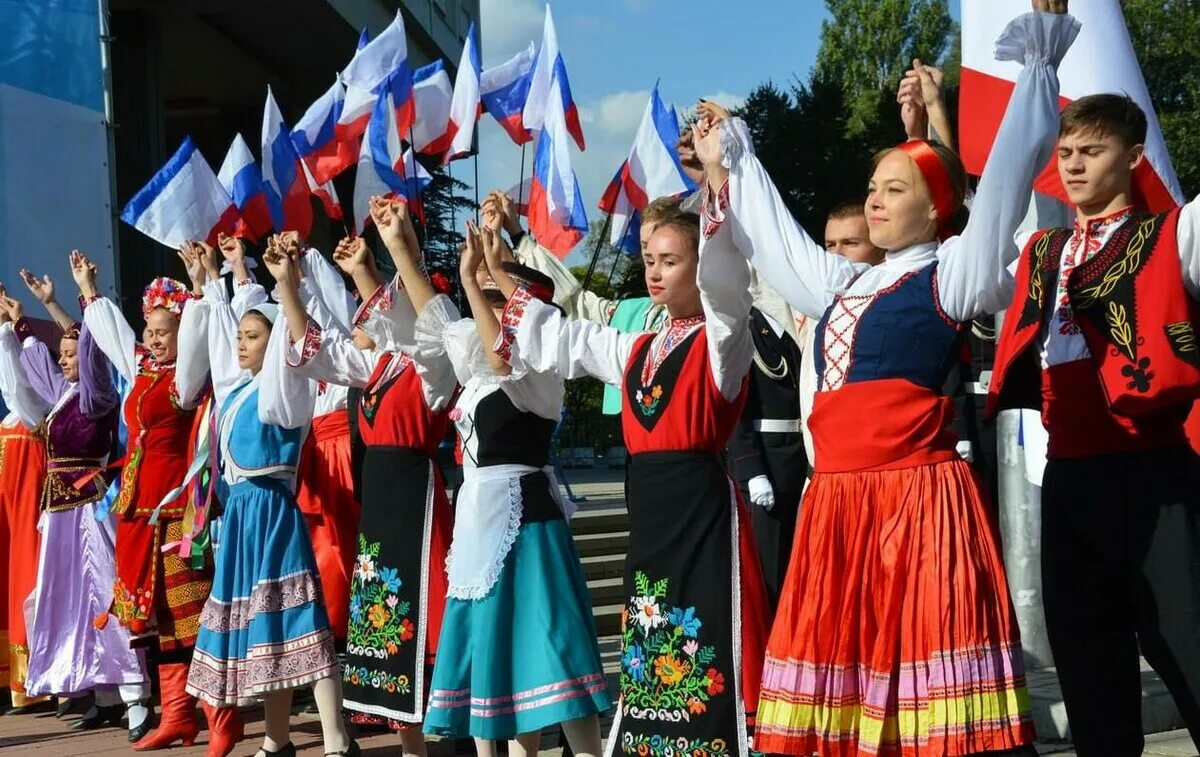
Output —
<point x="192" y="358"/>
<point x="286" y="398"/>
<point x="329" y="355"/>
<point x="569" y="294"/>
<point x="439" y="344"/>
<point x="113" y="334"/>
<point x="973" y="269"/>
<point x="222" y="343"/>
<point x="765" y="232"/>
<point x="724" y="280"/>
<point x="538" y="336"/>
<point x="324" y="294"/>
<point x="18" y="392"/>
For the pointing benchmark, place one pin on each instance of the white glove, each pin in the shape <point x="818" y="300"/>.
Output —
<point x="761" y="492"/>
<point x="965" y="450"/>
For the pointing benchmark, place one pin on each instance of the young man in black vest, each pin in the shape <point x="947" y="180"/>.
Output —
<point x="1101" y="336"/>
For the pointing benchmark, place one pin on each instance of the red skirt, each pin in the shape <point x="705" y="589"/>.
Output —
<point x="22" y="468"/>
<point x="325" y="494"/>
<point x="895" y="633"/>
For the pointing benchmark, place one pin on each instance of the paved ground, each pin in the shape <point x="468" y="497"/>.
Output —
<point x="45" y="735"/>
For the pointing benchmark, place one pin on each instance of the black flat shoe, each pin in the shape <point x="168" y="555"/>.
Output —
<point x="288" y="750"/>
<point x="32" y="709"/>
<point x="67" y="706"/>
<point x="99" y="717"/>
<point x="351" y="751"/>
<point x="136" y="734"/>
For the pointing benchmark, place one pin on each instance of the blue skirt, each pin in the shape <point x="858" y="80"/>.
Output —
<point x="525" y="656"/>
<point x="264" y="626"/>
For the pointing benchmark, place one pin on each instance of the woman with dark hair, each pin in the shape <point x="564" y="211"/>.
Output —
<point x="398" y="588"/>
<point x="264" y="630"/>
<point x="895" y="633"/>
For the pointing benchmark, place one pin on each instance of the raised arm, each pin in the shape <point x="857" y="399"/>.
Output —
<point x="43" y="290"/>
<point x="37" y="366"/>
<point x="97" y="391"/>
<point x="741" y="193"/>
<point x="724" y="280"/>
<point x="973" y="275"/>
<point x="20" y="395"/>
<point x="113" y="334"/>
<point x="499" y="211"/>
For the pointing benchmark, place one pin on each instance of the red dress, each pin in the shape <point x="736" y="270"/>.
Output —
<point x="695" y="623"/>
<point x="22" y="468"/>
<point x="403" y="538"/>
<point x="156" y="591"/>
<point x="325" y="494"/>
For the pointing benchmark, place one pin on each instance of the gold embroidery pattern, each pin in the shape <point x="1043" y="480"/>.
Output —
<point x="1036" y="287"/>
<point x="1128" y="263"/>
<point x="1182" y="335"/>
<point x="1119" y="329"/>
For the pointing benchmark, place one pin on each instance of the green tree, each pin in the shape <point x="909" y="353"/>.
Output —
<point x="1166" y="37"/>
<point x="868" y="44"/>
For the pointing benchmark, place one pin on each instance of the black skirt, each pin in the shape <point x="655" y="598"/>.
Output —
<point x="386" y="668"/>
<point x="680" y="663"/>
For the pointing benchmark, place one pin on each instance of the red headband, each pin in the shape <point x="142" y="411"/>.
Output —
<point x="937" y="178"/>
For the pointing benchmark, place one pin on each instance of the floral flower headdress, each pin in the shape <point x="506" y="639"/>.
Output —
<point x="166" y="293"/>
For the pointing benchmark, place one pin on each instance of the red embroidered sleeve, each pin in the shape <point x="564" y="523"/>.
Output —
<point x="85" y="301"/>
<point x="713" y="214"/>
<point x="514" y="311"/>
<point x="380" y="299"/>
<point x="310" y="346"/>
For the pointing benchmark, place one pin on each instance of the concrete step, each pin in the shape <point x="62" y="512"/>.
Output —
<point x="594" y="545"/>
<point x="600" y="520"/>
<point x="603" y="566"/>
<point x="608" y="619"/>
<point x="1159" y="713"/>
<point x="607" y="591"/>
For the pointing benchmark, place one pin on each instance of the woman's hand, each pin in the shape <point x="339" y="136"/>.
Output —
<point x="284" y="268"/>
<point x="42" y="289"/>
<point x="1050" y="6"/>
<point x="471" y="256"/>
<point x="350" y="254"/>
<point x="84" y="272"/>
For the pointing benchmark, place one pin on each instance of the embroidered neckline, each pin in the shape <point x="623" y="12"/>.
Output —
<point x="1099" y="225"/>
<point x="661" y="346"/>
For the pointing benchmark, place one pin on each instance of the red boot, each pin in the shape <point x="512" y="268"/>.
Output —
<point x="178" y="721"/>
<point x="225" y="729"/>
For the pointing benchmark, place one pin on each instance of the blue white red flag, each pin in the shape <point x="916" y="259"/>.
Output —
<point x="465" y="107"/>
<point x="183" y="201"/>
<point x="315" y="136"/>
<point x="556" y="213"/>
<point x="242" y="180"/>
<point x="432" y="93"/>
<point x="549" y="81"/>
<point x="283" y="178"/>
<point x="503" y="90"/>
<point x="382" y="62"/>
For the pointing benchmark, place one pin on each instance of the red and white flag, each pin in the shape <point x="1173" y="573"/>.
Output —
<point x="1102" y="60"/>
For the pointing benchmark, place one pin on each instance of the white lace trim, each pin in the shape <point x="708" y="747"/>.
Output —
<point x="480" y="578"/>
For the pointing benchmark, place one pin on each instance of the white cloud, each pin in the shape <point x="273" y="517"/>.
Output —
<point x="727" y="99"/>
<point x="621" y="112"/>
<point x="508" y="26"/>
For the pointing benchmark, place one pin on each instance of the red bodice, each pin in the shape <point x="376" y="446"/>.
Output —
<point x="393" y="413"/>
<point x="160" y="433"/>
<point x="680" y="407"/>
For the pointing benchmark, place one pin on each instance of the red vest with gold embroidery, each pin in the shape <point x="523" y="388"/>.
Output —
<point x="1131" y="304"/>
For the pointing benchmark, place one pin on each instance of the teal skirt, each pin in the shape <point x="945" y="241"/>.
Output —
<point x="525" y="656"/>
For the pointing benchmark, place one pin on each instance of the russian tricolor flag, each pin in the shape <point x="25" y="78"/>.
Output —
<point x="1101" y="60"/>
<point x="548" y="81"/>
<point x="283" y="178"/>
<point x="392" y="165"/>
<point x="315" y="139"/>
<point x="464" y="110"/>
<point x="432" y="95"/>
<point x="183" y="201"/>
<point x="503" y="91"/>
<point x="242" y="180"/>
<point x="326" y="193"/>
<point x="652" y="170"/>
<point x="382" y="62"/>
<point x="556" y="213"/>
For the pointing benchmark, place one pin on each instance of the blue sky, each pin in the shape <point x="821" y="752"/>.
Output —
<point x="616" y="49"/>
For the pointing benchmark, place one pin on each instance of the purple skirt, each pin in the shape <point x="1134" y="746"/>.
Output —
<point x="68" y="655"/>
